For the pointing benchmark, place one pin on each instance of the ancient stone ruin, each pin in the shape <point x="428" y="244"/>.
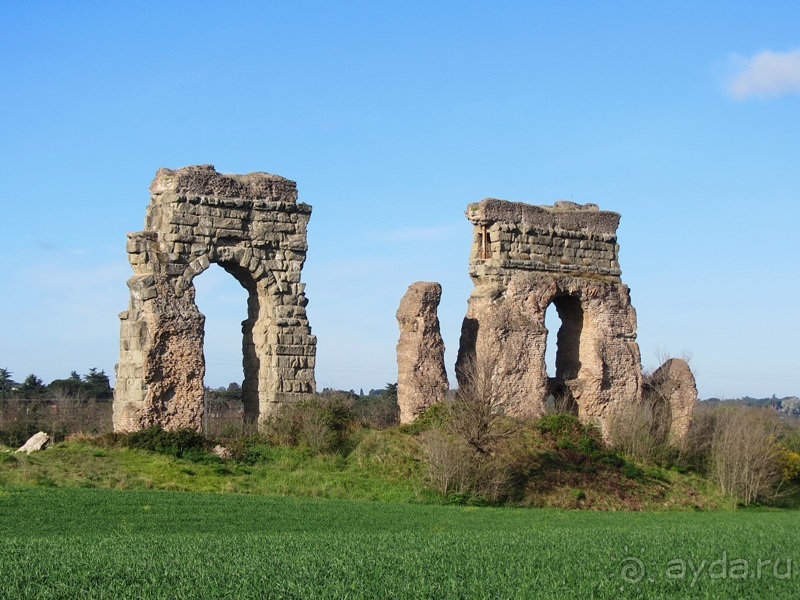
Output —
<point x="525" y="258"/>
<point x="422" y="377"/>
<point x="254" y="228"/>
<point x="673" y="385"/>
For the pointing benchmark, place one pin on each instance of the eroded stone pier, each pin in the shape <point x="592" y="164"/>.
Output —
<point x="421" y="374"/>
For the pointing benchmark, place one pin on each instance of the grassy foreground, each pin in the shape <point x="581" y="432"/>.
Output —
<point x="94" y="543"/>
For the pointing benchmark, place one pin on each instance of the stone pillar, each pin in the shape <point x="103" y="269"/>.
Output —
<point x="673" y="383"/>
<point x="421" y="374"/>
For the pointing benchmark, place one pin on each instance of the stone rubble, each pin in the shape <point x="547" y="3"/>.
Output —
<point x="38" y="441"/>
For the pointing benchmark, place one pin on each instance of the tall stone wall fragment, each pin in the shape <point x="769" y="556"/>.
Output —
<point x="525" y="258"/>
<point x="674" y="384"/>
<point x="253" y="227"/>
<point x="421" y="374"/>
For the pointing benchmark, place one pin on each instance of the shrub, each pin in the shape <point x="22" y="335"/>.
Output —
<point x="790" y="465"/>
<point x="249" y="449"/>
<point x="451" y="462"/>
<point x="640" y="430"/>
<point x="174" y="442"/>
<point x="59" y="416"/>
<point x="320" y="424"/>
<point x="744" y="458"/>
<point x="436" y="415"/>
<point x="377" y="412"/>
<point x="560" y="425"/>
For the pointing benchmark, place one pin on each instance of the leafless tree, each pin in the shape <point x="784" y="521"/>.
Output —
<point x="450" y="460"/>
<point x="745" y="460"/>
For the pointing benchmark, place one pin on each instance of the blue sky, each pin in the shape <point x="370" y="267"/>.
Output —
<point x="391" y="117"/>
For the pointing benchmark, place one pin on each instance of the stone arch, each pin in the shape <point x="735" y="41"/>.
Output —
<point x="259" y="314"/>
<point x="254" y="228"/>
<point x="525" y="258"/>
<point x="579" y="365"/>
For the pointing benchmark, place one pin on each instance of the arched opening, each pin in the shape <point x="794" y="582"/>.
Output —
<point x="231" y="375"/>
<point x="564" y="323"/>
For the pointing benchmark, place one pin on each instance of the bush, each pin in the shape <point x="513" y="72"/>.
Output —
<point x="451" y="462"/>
<point x="790" y="465"/>
<point x="321" y="424"/>
<point x="61" y="416"/>
<point x="377" y="412"/>
<point x="174" y="442"/>
<point x="560" y="425"/>
<point x="640" y="430"/>
<point x="436" y="415"/>
<point x="744" y="458"/>
<point x="249" y="449"/>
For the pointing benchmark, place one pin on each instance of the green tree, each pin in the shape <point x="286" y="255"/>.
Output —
<point x="97" y="383"/>
<point x="6" y="383"/>
<point x="67" y="387"/>
<point x="32" y="387"/>
<point x="234" y="391"/>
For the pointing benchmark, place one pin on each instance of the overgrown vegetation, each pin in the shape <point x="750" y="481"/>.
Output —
<point x="460" y="451"/>
<point x="318" y="423"/>
<point x="78" y="404"/>
<point x="21" y="418"/>
<point x="176" y="442"/>
<point x="749" y="453"/>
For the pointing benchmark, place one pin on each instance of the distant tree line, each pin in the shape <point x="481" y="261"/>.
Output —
<point x="232" y="392"/>
<point x="94" y="384"/>
<point x="789" y="405"/>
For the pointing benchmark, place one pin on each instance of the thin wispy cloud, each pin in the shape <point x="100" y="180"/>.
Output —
<point x="766" y="75"/>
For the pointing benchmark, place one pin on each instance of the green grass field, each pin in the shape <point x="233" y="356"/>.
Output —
<point x="98" y="543"/>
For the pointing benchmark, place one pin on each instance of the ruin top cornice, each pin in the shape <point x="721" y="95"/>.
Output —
<point x="562" y="215"/>
<point x="203" y="180"/>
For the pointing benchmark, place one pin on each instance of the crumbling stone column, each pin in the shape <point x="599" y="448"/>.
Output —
<point x="254" y="228"/>
<point x="674" y="384"/>
<point x="421" y="374"/>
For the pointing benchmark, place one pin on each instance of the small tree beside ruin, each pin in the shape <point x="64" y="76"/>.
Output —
<point x="745" y="460"/>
